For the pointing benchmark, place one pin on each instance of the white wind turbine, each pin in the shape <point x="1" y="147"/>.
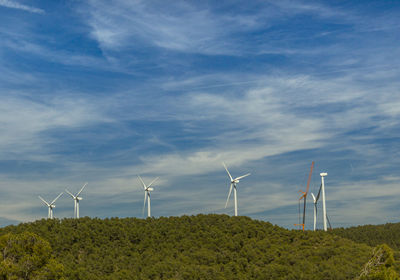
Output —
<point x="50" y="205"/>
<point x="233" y="185"/>
<point x="323" y="199"/>
<point x="147" y="189"/>
<point x="76" y="199"/>
<point x="315" y="200"/>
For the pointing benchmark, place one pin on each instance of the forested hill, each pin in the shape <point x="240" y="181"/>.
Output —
<point x="373" y="234"/>
<point x="194" y="247"/>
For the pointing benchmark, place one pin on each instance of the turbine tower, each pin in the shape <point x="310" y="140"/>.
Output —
<point x="147" y="189"/>
<point x="315" y="200"/>
<point x="323" y="198"/>
<point x="76" y="199"/>
<point x="233" y="185"/>
<point x="50" y="205"/>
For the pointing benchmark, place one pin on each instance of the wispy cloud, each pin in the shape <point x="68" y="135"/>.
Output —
<point x="23" y="46"/>
<point x="171" y="90"/>
<point x="182" y="26"/>
<point x="194" y="28"/>
<point x="291" y="8"/>
<point x="18" y="6"/>
<point x="25" y="122"/>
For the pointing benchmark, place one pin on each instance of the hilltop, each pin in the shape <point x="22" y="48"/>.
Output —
<point x="195" y="247"/>
<point x="372" y="235"/>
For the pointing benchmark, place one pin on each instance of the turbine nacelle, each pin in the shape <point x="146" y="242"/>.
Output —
<point x="149" y="189"/>
<point x="79" y="198"/>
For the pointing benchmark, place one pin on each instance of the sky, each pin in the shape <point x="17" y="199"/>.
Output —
<point x="102" y="91"/>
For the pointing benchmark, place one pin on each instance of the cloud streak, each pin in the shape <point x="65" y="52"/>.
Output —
<point x="25" y="122"/>
<point x="18" y="6"/>
<point x="114" y="89"/>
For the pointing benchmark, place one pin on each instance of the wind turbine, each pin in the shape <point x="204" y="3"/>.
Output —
<point x="76" y="199"/>
<point x="147" y="189"/>
<point x="50" y="205"/>
<point x="304" y="196"/>
<point x="233" y="185"/>
<point x="323" y="198"/>
<point x="315" y="200"/>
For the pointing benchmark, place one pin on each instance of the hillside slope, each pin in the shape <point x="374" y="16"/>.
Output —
<point x="195" y="247"/>
<point x="373" y="235"/>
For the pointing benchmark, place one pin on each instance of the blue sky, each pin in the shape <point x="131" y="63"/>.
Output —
<point x="100" y="91"/>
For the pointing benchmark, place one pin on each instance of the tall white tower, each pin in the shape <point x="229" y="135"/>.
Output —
<point x="323" y="199"/>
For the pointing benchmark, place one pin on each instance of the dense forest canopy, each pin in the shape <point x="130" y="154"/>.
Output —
<point x="373" y="235"/>
<point x="194" y="247"/>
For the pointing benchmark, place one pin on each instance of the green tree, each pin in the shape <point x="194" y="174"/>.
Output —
<point x="27" y="256"/>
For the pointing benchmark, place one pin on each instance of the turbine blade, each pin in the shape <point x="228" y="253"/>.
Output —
<point x="68" y="192"/>
<point x="329" y="223"/>
<point x="319" y="192"/>
<point x="144" y="202"/>
<point x="238" y="178"/>
<point x="81" y="190"/>
<point x="227" y="171"/>
<point x="152" y="182"/>
<point x="56" y="198"/>
<point x="144" y="185"/>
<point x="45" y="202"/>
<point x="230" y="191"/>
<point x="313" y="197"/>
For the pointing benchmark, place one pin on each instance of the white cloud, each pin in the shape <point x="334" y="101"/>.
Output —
<point x="291" y="7"/>
<point x="64" y="57"/>
<point x="16" y="5"/>
<point x="278" y="115"/>
<point x="25" y="121"/>
<point x="245" y="116"/>
<point x="181" y="26"/>
<point x="193" y="28"/>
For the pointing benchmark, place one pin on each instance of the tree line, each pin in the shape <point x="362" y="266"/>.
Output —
<point x="186" y="247"/>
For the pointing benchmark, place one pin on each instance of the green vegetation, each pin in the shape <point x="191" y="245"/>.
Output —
<point x="194" y="247"/>
<point x="27" y="256"/>
<point x="372" y="235"/>
<point x="380" y="266"/>
<point x="383" y="267"/>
